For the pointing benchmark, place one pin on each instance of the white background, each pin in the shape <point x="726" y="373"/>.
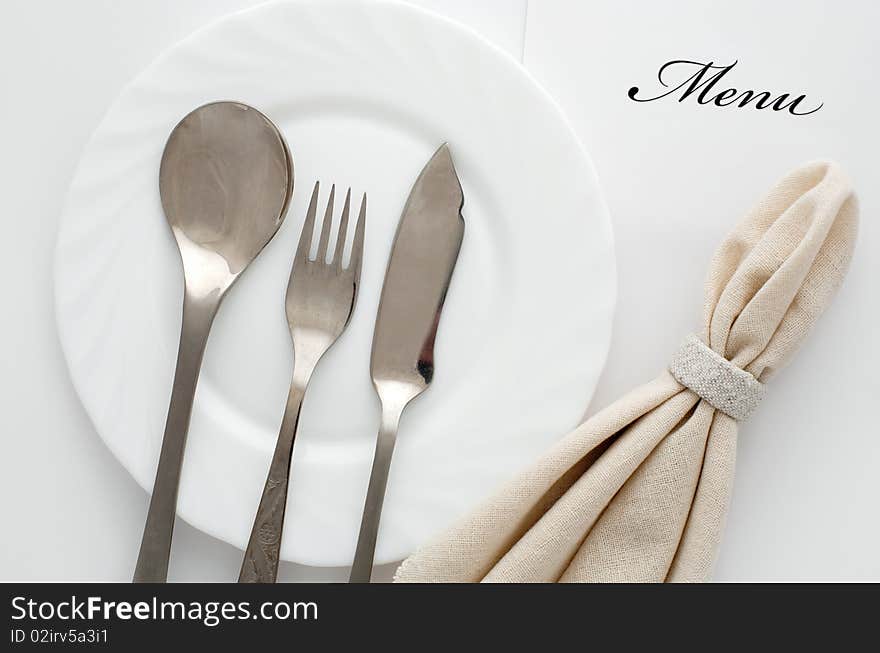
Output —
<point x="676" y="177"/>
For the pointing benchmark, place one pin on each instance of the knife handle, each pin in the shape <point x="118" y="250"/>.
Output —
<point x="260" y="564"/>
<point x="362" y="567"/>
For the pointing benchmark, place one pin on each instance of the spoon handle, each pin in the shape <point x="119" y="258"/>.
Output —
<point x="198" y="315"/>
<point x="362" y="567"/>
<point x="260" y="564"/>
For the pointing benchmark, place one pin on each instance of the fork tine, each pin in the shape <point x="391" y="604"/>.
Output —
<point x="342" y="234"/>
<point x="308" y="228"/>
<point x="357" y="246"/>
<point x="321" y="256"/>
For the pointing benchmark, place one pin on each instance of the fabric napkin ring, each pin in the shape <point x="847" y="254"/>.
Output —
<point x="712" y="377"/>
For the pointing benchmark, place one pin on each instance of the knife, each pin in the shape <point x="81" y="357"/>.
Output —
<point x="420" y="267"/>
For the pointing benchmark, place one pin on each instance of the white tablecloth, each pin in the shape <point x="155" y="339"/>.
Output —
<point x="69" y="512"/>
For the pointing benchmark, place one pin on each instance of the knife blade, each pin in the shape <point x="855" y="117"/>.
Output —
<point x="423" y="257"/>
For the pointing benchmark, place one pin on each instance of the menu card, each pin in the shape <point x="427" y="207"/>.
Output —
<point x="691" y="110"/>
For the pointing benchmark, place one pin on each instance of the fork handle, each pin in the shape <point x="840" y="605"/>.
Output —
<point x="260" y="564"/>
<point x="362" y="567"/>
<point x="198" y="315"/>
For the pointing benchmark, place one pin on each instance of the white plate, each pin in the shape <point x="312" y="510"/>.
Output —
<point x="364" y="93"/>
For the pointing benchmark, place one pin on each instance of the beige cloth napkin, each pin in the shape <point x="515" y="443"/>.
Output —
<point x="639" y="492"/>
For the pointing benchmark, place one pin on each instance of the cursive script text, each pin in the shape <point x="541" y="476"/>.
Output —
<point x="702" y="81"/>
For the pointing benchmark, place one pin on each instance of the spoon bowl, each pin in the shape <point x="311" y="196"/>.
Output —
<point x="225" y="180"/>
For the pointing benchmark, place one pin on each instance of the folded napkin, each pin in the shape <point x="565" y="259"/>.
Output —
<point x="639" y="492"/>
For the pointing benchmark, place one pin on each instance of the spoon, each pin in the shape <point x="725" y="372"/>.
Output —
<point x="225" y="180"/>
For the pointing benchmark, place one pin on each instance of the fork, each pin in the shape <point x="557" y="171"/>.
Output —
<point x="320" y="299"/>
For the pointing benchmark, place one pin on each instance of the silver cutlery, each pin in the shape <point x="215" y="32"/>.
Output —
<point x="420" y="267"/>
<point x="320" y="299"/>
<point x="225" y="181"/>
